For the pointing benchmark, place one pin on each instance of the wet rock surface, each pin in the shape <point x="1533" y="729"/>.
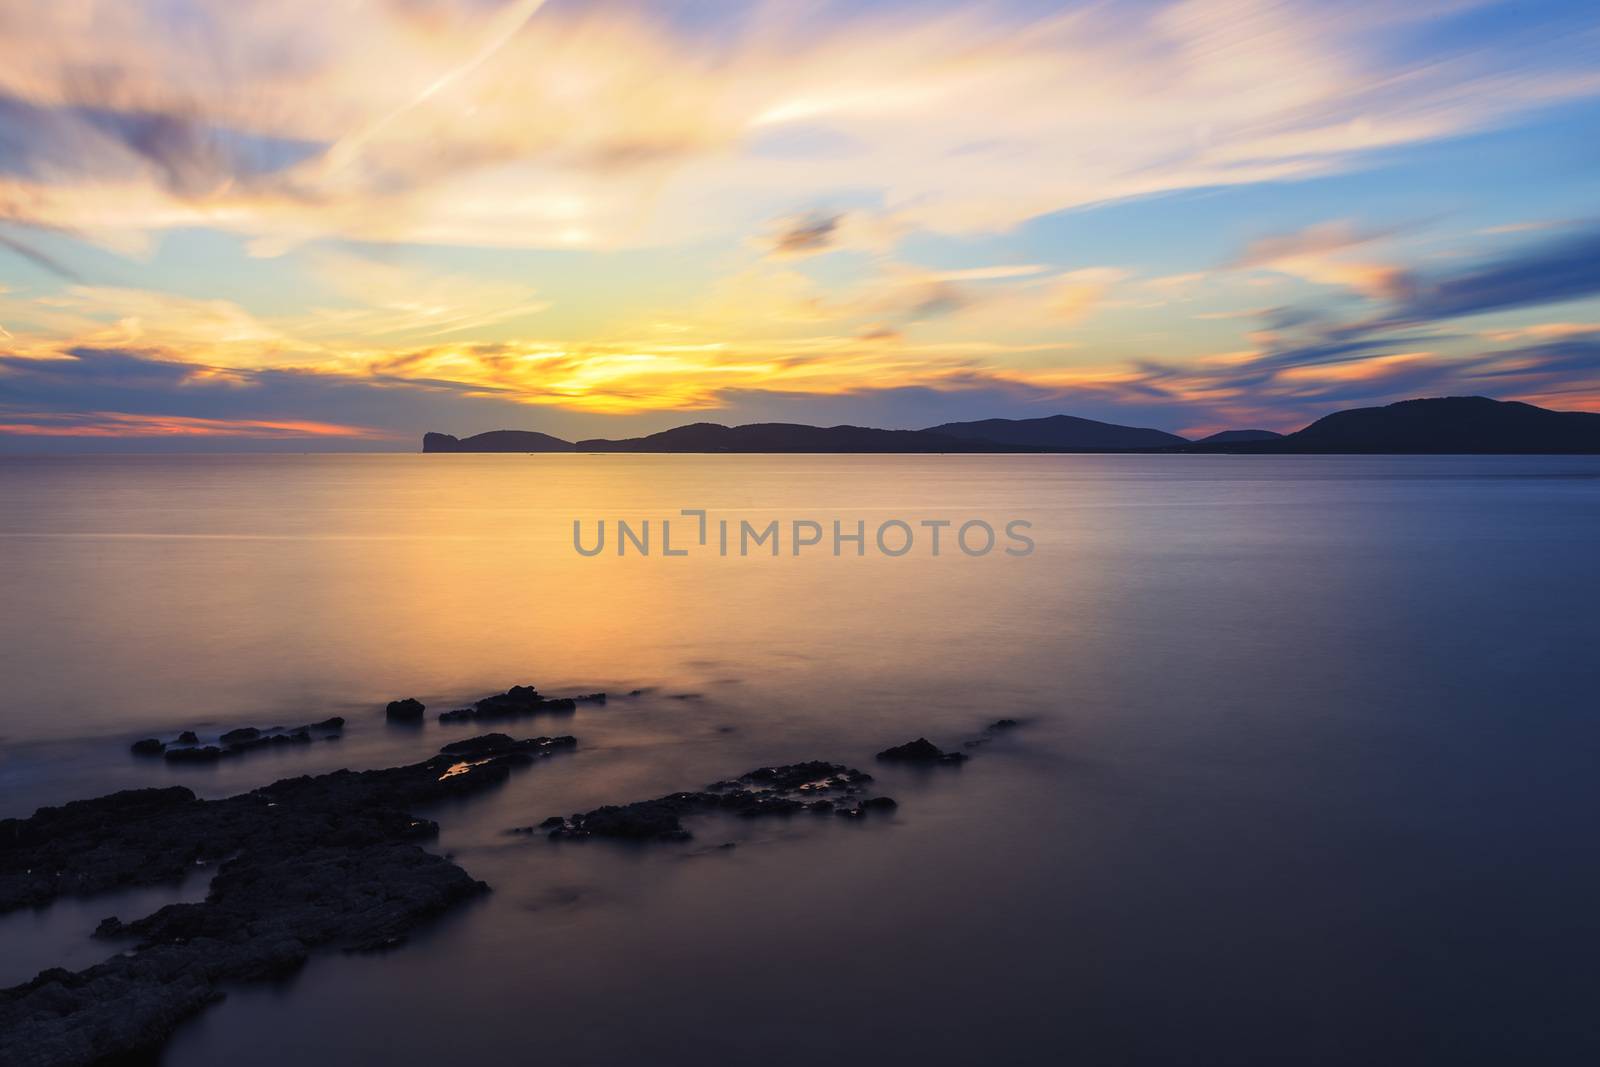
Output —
<point x="920" y="751"/>
<point x="817" y="787"/>
<point x="519" y="701"/>
<point x="326" y="861"/>
<point x="186" y="747"/>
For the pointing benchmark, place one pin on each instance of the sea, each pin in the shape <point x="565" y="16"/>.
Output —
<point x="1305" y="769"/>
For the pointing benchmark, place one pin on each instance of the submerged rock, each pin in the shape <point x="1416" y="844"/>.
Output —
<point x="999" y="726"/>
<point x="187" y="748"/>
<point x="920" y="751"/>
<point x="518" y="701"/>
<point x="783" y="790"/>
<point x="197" y="754"/>
<point x="408" y="710"/>
<point x="331" y="860"/>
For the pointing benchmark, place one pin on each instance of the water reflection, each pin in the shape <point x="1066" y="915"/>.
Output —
<point x="1305" y="772"/>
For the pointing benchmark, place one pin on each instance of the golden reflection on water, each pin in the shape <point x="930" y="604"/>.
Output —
<point x="245" y="581"/>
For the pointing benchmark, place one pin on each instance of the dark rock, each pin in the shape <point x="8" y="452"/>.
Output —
<point x="920" y="751"/>
<point x="1001" y="724"/>
<point x="148" y="747"/>
<point x="408" y="710"/>
<point x="797" y="776"/>
<point x="475" y="746"/>
<point x="764" y="791"/>
<point x="500" y="747"/>
<point x="879" y="804"/>
<point x="515" y="702"/>
<point x="552" y="822"/>
<point x="590" y="698"/>
<point x="244" y="739"/>
<point x="326" y="861"/>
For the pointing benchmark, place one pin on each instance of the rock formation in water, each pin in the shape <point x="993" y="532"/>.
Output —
<point x="920" y="751"/>
<point x="518" y="701"/>
<point x="326" y="861"/>
<point x="188" y="749"/>
<point x="408" y="710"/>
<point x="816" y="787"/>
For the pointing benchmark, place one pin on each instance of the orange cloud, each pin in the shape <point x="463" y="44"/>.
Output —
<point x="1320" y="254"/>
<point x="122" y="424"/>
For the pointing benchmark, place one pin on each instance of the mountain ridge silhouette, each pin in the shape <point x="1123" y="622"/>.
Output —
<point x="1433" y="425"/>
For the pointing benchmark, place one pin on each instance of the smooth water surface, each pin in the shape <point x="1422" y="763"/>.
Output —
<point x="1307" y="770"/>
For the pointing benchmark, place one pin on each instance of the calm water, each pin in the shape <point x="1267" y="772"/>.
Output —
<point x="1308" y="774"/>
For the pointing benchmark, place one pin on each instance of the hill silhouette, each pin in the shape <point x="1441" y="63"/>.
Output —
<point x="1460" y="424"/>
<point x="786" y="437"/>
<point x="1060" y="433"/>
<point x="1235" y="437"/>
<point x="496" y="441"/>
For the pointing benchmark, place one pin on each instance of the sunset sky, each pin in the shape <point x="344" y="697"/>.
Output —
<point x="333" y="224"/>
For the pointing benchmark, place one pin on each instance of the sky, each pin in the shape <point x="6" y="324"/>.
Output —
<point x="320" y="225"/>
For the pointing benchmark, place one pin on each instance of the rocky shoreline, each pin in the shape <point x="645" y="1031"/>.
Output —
<point x="332" y="861"/>
<point x="345" y="843"/>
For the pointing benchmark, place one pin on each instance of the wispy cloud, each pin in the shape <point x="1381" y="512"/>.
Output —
<point x="118" y="424"/>
<point x="1567" y="268"/>
<point x="605" y="125"/>
<point x="805" y="235"/>
<point x="1324" y="254"/>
